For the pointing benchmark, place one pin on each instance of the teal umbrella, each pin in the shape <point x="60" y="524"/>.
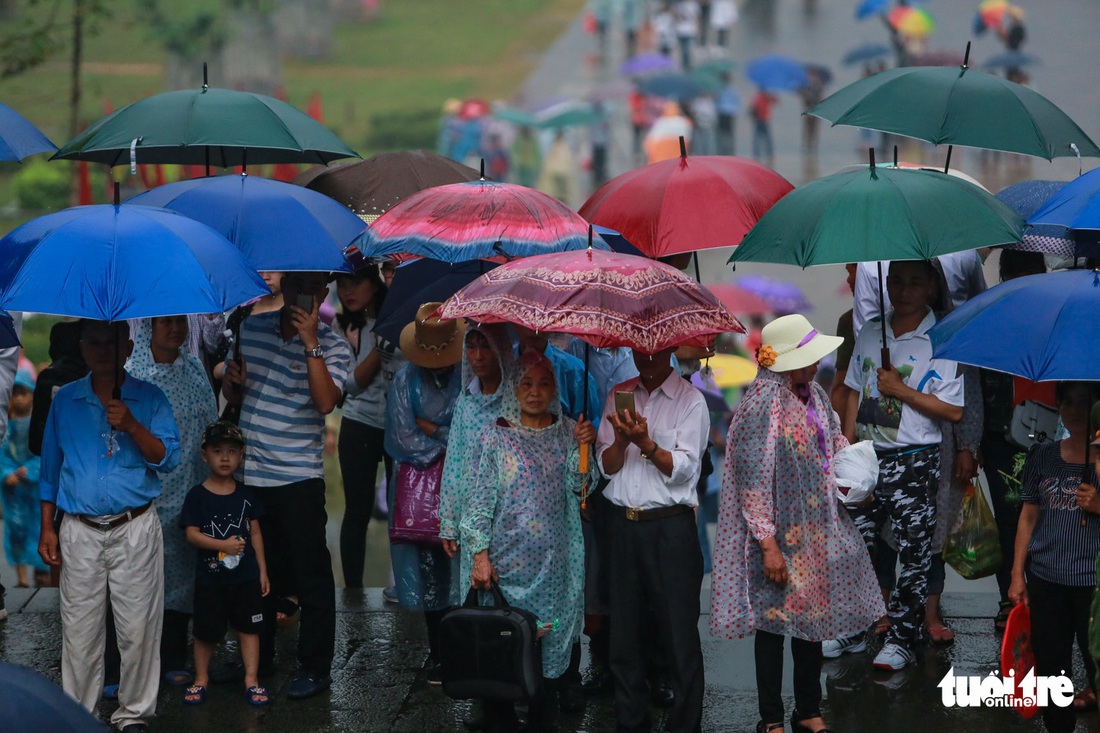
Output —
<point x="874" y="214"/>
<point x="947" y="105"/>
<point x="574" y="115"/>
<point x="207" y="126"/>
<point x="516" y="117"/>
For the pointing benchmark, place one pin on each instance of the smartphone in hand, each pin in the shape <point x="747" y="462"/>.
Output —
<point x="624" y="401"/>
<point x="305" y="302"/>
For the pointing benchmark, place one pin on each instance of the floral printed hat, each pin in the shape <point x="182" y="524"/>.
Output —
<point x="790" y="343"/>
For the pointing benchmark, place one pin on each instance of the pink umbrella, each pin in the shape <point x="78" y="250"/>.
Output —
<point x="740" y="301"/>
<point x="605" y="298"/>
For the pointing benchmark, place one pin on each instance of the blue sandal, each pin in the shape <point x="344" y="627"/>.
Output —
<point x="194" y="695"/>
<point x="257" y="696"/>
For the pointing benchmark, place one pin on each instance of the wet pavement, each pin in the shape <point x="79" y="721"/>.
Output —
<point x="379" y="682"/>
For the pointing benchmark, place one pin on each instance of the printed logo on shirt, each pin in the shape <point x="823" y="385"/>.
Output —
<point x="257" y="618"/>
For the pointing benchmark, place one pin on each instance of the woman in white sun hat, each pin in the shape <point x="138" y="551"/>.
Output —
<point x="788" y="560"/>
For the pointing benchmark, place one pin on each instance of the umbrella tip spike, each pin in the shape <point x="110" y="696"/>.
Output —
<point x="483" y="169"/>
<point x="205" y="80"/>
<point x="895" y="156"/>
<point x="871" y="157"/>
<point x="966" y="56"/>
<point x="683" y="147"/>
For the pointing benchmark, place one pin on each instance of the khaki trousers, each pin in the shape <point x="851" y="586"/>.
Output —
<point x="126" y="563"/>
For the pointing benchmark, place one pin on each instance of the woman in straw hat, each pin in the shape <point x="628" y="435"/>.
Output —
<point x="419" y="408"/>
<point x="788" y="560"/>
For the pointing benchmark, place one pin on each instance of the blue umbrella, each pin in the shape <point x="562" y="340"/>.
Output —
<point x="1041" y="327"/>
<point x="33" y="704"/>
<point x="867" y="8"/>
<point x="866" y="52"/>
<point x="1011" y="60"/>
<point x="116" y="262"/>
<point x="673" y="86"/>
<point x="1025" y="199"/>
<point x="774" y="72"/>
<point x="1075" y="207"/>
<point x="8" y="336"/>
<point x="423" y="281"/>
<point x="19" y="138"/>
<point x="277" y="226"/>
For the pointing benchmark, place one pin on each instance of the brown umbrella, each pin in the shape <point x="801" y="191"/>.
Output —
<point x="370" y="187"/>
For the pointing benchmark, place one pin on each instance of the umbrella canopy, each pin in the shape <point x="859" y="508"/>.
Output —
<point x="1041" y="327"/>
<point x="912" y="22"/>
<point x="879" y="214"/>
<point x="957" y="106"/>
<point x="731" y="370"/>
<point x="1011" y="60"/>
<point x="277" y="226"/>
<point x="867" y="8"/>
<point x="605" y="298"/>
<point x="569" y="114"/>
<point x="646" y="63"/>
<point x="686" y="204"/>
<point x="1076" y="206"/>
<point x="679" y="86"/>
<point x="208" y="126"/>
<point x="866" y="52"/>
<point x="371" y="187"/>
<point x="33" y="704"/>
<point x="1026" y="198"/>
<point x="716" y="67"/>
<point x="422" y="281"/>
<point x="469" y="221"/>
<point x="780" y="296"/>
<point x="116" y="262"/>
<point x="19" y="138"/>
<point x="993" y="13"/>
<point x="516" y="117"/>
<point x="774" y="72"/>
<point x="739" y="300"/>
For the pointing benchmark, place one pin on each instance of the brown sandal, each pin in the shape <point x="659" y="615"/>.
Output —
<point x="940" y="635"/>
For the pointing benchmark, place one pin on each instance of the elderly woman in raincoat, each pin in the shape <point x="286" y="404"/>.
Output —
<point x="522" y="524"/>
<point x="488" y="371"/>
<point x="788" y="560"/>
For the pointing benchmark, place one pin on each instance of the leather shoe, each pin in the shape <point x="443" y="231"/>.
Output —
<point x="307" y="684"/>
<point x="661" y="695"/>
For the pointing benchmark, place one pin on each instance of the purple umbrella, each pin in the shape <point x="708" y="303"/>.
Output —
<point x="646" y="63"/>
<point x="783" y="297"/>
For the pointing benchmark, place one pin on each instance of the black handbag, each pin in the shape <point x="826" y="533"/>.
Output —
<point x="490" y="652"/>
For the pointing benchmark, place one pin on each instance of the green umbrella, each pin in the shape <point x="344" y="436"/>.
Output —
<point x="516" y="117"/>
<point x="874" y="214"/>
<point x="717" y="67"/>
<point x="208" y="126"/>
<point x="581" y="114"/>
<point x="957" y="106"/>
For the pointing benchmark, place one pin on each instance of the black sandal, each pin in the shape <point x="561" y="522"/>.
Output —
<point x="1000" y="621"/>
<point x="798" y="727"/>
<point x="762" y="727"/>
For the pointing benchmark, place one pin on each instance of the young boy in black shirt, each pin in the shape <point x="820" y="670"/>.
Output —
<point x="220" y="517"/>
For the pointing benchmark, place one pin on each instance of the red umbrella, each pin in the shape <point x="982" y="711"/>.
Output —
<point x="605" y="298"/>
<point x="688" y="204"/>
<point x="740" y="301"/>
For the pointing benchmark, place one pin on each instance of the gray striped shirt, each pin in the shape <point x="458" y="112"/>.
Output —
<point x="283" y="429"/>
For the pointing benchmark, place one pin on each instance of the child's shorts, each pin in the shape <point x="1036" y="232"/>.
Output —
<point x="239" y="605"/>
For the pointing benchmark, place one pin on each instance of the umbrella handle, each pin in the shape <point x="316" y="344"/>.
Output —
<point x="583" y="466"/>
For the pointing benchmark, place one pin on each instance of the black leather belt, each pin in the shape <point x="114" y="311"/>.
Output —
<point x="109" y="524"/>
<point x="645" y="515"/>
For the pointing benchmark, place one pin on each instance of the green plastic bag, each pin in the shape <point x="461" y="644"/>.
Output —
<point x="974" y="548"/>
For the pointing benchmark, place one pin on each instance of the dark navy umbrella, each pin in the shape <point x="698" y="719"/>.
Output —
<point x="423" y="281"/>
<point x="19" y="138"/>
<point x="30" y="703"/>
<point x="1025" y="199"/>
<point x="276" y="226"/>
<point x="617" y="242"/>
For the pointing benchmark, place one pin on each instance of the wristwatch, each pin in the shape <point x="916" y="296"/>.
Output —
<point x="316" y="352"/>
<point x="650" y="454"/>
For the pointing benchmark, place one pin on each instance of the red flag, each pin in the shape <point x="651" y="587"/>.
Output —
<point x="314" y="110"/>
<point x="146" y="176"/>
<point x="285" y="172"/>
<point x="83" y="184"/>
<point x="158" y="175"/>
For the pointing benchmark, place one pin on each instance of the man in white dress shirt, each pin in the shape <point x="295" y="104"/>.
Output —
<point x="652" y="456"/>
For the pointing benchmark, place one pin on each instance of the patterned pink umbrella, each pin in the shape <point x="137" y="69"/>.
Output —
<point x="605" y="298"/>
<point x="461" y="222"/>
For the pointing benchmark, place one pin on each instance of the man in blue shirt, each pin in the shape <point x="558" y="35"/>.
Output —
<point x="107" y="437"/>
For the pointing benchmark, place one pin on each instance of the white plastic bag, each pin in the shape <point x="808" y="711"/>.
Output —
<point x="856" y="470"/>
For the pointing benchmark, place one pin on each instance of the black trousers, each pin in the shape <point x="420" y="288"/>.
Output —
<point x="657" y="564"/>
<point x="1059" y="613"/>
<point x="999" y="456"/>
<point x="360" y="453"/>
<point x="298" y="563"/>
<point x="542" y="711"/>
<point x="769" y="677"/>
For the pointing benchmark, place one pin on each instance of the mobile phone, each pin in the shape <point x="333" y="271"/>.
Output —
<point x="624" y="401"/>
<point x="305" y="302"/>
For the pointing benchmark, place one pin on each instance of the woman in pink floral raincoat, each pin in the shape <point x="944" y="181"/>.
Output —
<point x="788" y="561"/>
